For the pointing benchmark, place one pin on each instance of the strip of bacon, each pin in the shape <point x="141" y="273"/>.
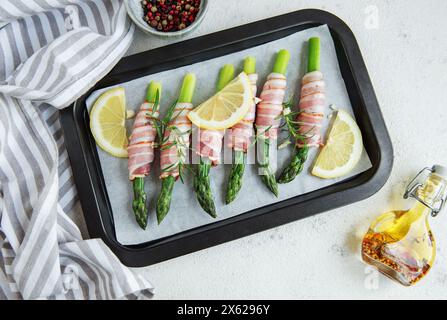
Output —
<point x="268" y="111"/>
<point x="312" y="105"/>
<point x="176" y="141"/>
<point x="210" y="144"/>
<point x="241" y="133"/>
<point x="141" y="144"/>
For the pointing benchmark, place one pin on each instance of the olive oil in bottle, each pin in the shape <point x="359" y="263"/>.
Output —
<point x="400" y="244"/>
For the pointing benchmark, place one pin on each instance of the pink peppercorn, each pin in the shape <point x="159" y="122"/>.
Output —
<point x="170" y="15"/>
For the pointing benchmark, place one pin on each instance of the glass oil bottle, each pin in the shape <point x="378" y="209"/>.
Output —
<point x="400" y="244"/>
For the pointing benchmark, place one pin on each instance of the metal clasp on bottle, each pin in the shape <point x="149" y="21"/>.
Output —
<point x="414" y="186"/>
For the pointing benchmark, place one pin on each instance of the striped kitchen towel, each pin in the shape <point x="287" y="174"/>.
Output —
<point x="51" y="52"/>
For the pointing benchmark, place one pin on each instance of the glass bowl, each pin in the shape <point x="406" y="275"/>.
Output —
<point x="136" y="13"/>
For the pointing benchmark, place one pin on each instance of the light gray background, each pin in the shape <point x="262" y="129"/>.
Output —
<point x="319" y="257"/>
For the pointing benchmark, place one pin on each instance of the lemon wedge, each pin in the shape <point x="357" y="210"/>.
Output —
<point x="342" y="150"/>
<point x="107" y="122"/>
<point x="225" y="108"/>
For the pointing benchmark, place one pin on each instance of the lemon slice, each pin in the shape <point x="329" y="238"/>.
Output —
<point x="107" y="122"/>
<point x="343" y="148"/>
<point x="225" y="108"/>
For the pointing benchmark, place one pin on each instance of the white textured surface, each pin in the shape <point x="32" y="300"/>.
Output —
<point x="319" y="257"/>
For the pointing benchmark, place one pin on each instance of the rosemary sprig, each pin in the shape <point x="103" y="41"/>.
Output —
<point x="297" y="163"/>
<point x="161" y="125"/>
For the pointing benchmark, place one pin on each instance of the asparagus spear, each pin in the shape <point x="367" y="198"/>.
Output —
<point x="202" y="186"/>
<point x="297" y="163"/>
<point x="238" y="168"/>
<point x="202" y="183"/>
<point x="139" y="202"/>
<point x="268" y="177"/>
<point x="164" y="199"/>
<point x="139" y="205"/>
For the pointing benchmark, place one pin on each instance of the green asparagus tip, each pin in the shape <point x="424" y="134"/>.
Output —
<point x="313" y="63"/>
<point x="236" y="176"/>
<point x="139" y="202"/>
<point x="188" y="87"/>
<point x="281" y="62"/>
<point x="270" y="182"/>
<point x="295" y="166"/>
<point x="202" y="187"/>
<point x="226" y="74"/>
<point x="152" y="91"/>
<point x="165" y="197"/>
<point x="250" y="65"/>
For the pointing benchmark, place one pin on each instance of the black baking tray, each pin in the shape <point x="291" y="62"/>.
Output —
<point x="87" y="169"/>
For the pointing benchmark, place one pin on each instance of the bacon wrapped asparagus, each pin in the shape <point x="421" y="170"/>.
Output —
<point x="311" y="113"/>
<point x="268" y="115"/>
<point x="141" y="150"/>
<point x="175" y="145"/>
<point x="210" y="146"/>
<point x="240" y="136"/>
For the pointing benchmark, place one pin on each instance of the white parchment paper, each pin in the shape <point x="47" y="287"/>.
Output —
<point x="185" y="212"/>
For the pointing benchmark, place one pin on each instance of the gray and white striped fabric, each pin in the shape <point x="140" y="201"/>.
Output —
<point x="51" y="52"/>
